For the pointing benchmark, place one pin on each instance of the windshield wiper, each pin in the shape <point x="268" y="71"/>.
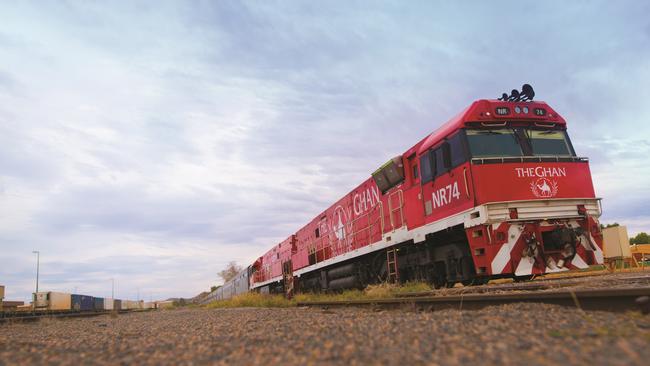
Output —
<point x="524" y="140"/>
<point x="489" y="132"/>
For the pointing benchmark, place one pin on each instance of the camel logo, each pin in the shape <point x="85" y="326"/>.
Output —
<point x="340" y="225"/>
<point x="339" y="228"/>
<point x="544" y="188"/>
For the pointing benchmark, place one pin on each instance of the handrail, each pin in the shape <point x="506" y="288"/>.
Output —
<point x="466" y="185"/>
<point x="529" y="159"/>
<point x="320" y="247"/>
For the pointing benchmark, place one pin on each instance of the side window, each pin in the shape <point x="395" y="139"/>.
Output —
<point x="413" y="163"/>
<point x="441" y="167"/>
<point x="457" y="150"/>
<point x="426" y="165"/>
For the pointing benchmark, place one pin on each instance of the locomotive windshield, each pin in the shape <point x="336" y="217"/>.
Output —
<point x="504" y="142"/>
<point x="549" y="142"/>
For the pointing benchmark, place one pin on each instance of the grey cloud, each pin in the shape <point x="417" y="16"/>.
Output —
<point x="329" y="90"/>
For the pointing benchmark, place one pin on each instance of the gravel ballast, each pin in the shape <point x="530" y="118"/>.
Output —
<point x="530" y="334"/>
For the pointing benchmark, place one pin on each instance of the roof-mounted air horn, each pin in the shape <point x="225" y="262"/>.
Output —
<point x="526" y="95"/>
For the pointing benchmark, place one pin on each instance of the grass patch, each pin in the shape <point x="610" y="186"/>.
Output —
<point x="253" y="299"/>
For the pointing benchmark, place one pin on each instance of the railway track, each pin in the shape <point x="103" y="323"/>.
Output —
<point x="538" y="285"/>
<point x="616" y="300"/>
<point x="35" y="316"/>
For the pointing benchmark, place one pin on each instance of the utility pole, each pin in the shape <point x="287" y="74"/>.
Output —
<point x="112" y="288"/>
<point x="38" y="264"/>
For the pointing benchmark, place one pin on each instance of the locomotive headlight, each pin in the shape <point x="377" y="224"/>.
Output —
<point x="525" y="109"/>
<point x="517" y="109"/>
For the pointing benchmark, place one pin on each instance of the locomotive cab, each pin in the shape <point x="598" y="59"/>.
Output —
<point x="534" y="193"/>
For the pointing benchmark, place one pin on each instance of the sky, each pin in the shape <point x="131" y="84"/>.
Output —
<point x="153" y="142"/>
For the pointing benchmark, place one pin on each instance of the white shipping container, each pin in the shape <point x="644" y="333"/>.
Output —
<point x="52" y="301"/>
<point x="129" y="304"/>
<point x="616" y="242"/>
<point x="108" y="303"/>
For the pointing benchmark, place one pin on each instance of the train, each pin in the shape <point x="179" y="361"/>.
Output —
<point x="497" y="191"/>
<point x="61" y="301"/>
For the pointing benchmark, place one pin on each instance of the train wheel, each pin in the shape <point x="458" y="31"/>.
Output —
<point x="439" y="275"/>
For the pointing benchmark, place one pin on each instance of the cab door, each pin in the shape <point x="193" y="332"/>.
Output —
<point x="413" y="206"/>
<point x="287" y="277"/>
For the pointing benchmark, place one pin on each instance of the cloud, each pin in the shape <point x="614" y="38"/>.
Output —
<point x="153" y="144"/>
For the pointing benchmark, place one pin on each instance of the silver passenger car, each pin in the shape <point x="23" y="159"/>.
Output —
<point x="236" y="286"/>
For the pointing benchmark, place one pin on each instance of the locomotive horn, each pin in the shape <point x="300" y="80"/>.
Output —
<point x="527" y="94"/>
<point x="514" y="96"/>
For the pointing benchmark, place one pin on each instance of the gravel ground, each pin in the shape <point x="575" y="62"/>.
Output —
<point x="520" y="334"/>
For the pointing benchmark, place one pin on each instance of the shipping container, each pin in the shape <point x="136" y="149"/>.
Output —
<point x="52" y="301"/>
<point x="82" y="302"/>
<point x="108" y="303"/>
<point x="167" y="304"/>
<point x="11" y="305"/>
<point x="99" y="304"/>
<point x="131" y="304"/>
<point x="2" y="296"/>
<point x="117" y="304"/>
<point x="616" y="243"/>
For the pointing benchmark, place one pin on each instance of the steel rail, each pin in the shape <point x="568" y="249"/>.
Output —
<point x="544" y="284"/>
<point x="617" y="300"/>
<point x="15" y="317"/>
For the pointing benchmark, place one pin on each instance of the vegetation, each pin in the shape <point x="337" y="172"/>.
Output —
<point x="231" y="270"/>
<point x="179" y="302"/>
<point x="640" y="238"/>
<point x="253" y="299"/>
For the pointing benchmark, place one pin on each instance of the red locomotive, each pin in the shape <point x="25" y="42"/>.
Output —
<point x="497" y="191"/>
